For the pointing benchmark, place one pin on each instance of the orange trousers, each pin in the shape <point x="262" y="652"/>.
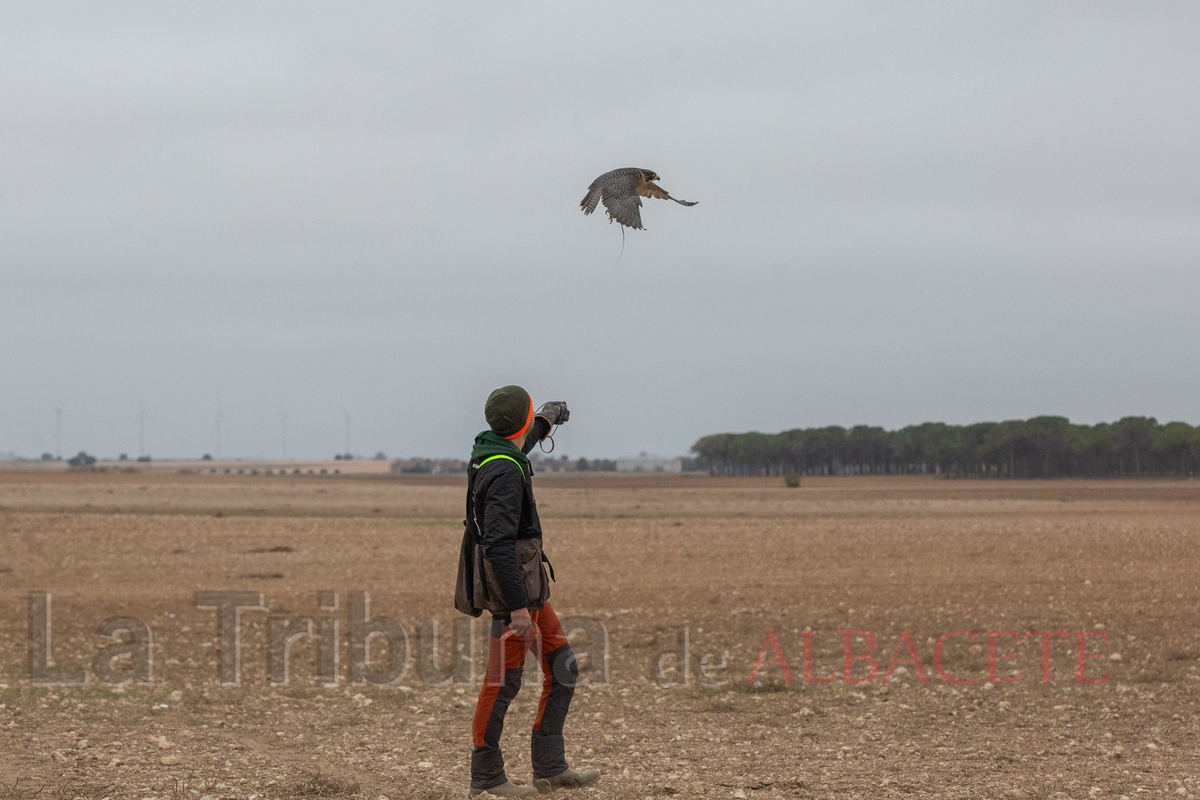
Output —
<point x="502" y="682"/>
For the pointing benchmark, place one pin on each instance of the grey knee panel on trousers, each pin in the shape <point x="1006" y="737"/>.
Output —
<point x="547" y="750"/>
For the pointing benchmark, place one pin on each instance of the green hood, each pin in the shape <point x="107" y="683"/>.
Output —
<point x="489" y="444"/>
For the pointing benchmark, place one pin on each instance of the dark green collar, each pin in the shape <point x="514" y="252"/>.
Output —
<point x="488" y="444"/>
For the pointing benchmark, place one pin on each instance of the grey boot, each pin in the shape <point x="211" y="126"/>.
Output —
<point x="506" y="789"/>
<point x="568" y="779"/>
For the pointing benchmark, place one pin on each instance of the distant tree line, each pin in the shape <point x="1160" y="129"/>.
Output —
<point x="1042" y="447"/>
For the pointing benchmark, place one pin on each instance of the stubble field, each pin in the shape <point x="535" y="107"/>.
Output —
<point x="729" y="560"/>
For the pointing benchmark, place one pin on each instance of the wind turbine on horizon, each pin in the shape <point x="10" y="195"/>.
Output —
<point x="220" y="418"/>
<point x="142" y="430"/>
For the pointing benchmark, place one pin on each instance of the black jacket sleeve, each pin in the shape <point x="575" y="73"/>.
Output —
<point x="537" y="432"/>
<point x="501" y="499"/>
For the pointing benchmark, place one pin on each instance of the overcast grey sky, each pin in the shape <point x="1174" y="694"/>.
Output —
<point x="907" y="212"/>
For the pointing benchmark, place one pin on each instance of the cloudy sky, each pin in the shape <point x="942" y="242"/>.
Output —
<point x="955" y="212"/>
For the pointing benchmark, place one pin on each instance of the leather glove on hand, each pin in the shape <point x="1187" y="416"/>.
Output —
<point x="554" y="412"/>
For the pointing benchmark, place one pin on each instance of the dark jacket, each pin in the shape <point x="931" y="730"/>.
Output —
<point x="501" y="521"/>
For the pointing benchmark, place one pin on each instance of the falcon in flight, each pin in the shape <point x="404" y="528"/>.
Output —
<point x="620" y="190"/>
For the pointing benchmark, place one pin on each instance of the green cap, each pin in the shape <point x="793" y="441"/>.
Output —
<point x="507" y="410"/>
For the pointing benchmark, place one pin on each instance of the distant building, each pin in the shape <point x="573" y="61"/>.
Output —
<point x="428" y="466"/>
<point x="645" y="463"/>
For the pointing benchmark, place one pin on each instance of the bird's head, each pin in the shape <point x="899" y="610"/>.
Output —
<point x="650" y="175"/>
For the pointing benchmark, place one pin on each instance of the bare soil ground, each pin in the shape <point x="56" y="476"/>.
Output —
<point x="729" y="560"/>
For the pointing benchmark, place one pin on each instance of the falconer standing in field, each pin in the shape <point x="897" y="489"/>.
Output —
<point x="502" y="570"/>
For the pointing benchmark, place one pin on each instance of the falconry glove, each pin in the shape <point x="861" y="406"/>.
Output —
<point x="554" y="412"/>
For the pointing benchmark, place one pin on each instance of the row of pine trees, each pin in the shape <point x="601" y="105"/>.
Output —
<point x="1042" y="447"/>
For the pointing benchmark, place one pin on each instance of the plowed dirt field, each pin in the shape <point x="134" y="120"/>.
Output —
<point x="942" y="580"/>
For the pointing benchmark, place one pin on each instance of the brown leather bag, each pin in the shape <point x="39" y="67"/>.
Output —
<point x="533" y="576"/>
<point x="464" y="588"/>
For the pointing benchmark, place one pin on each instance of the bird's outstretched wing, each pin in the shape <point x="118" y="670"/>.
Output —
<point x="624" y="207"/>
<point x="652" y="189"/>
